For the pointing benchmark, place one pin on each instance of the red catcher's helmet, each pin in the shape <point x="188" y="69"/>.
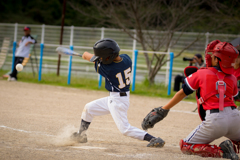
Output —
<point x="225" y="51"/>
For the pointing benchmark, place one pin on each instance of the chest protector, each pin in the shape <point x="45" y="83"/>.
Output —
<point x="219" y="90"/>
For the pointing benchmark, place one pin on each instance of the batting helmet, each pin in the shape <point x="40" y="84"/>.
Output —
<point x="225" y="52"/>
<point x="105" y="50"/>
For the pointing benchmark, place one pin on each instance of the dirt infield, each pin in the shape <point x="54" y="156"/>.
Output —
<point x="37" y="120"/>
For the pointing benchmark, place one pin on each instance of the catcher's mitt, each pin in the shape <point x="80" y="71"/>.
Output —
<point x="156" y="115"/>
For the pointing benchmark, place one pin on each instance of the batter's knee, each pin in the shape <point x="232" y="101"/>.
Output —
<point x="87" y="107"/>
<point x="86" y="113"/>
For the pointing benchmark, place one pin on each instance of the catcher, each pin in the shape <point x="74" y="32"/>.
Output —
<point x="215" y="88"/>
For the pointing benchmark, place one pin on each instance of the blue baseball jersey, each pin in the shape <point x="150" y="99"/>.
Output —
<point x="117" y="74"/>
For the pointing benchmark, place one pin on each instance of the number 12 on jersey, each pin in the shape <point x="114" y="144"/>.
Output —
<point x="127" y="74"/>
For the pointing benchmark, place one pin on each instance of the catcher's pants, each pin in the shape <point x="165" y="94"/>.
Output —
<point x="116" y="106"/>
<point x="225" y="123"/>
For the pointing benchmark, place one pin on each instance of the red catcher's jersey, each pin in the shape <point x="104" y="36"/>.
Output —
<point x="237" y="73"/>
<point x="206" y="79"/>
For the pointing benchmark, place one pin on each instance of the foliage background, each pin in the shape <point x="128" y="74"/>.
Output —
<point x="50" y="12"/>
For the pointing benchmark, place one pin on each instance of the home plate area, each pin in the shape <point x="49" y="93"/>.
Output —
<point x="36" y="122"/>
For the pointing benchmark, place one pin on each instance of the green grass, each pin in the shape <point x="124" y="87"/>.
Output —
<point x="52" y="79"/>
<point x="143" y="89"/>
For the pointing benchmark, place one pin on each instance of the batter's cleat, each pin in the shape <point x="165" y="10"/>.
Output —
<point x="79" y="138"/>
<point x="228" y="150"/>
<point x="156" y="142"/>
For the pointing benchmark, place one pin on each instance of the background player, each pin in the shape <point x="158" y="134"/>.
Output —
<point x="23" y="50"/>
<point x="216" y="87"/>
<point x="117" y="72"/>
<point x="197" y="61"/>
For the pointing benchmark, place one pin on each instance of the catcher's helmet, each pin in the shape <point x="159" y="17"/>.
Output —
<point x="225" y="52"/>
<point x="105" y="50"/>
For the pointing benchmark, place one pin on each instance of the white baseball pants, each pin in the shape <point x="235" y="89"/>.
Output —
<point x="116" y="106"/>
<point x="225" y="123"/>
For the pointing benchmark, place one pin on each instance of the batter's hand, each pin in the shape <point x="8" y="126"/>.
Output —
<point x="156" y="115"/>
<point x="87" y="56"/>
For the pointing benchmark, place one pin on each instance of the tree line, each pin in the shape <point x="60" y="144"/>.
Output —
<point x="50" y="11"/>
<point x="155" y="22"/>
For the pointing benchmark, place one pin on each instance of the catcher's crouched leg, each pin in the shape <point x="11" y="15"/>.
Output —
<point x="203" y="150"/>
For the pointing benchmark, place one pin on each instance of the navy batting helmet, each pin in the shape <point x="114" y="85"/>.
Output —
<point x="105" y="50"/>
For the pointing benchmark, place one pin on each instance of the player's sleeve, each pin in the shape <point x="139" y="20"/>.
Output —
<point x="99" y="69"/>
<point x="96" y="67"/>
<point x="192" y="81"/>
<point x="21" y="40"/>
<point x="186" y="89"/>
<point x="235" y="90"/>
<point x="31" y="39"/>
<point x="129" y="60"/>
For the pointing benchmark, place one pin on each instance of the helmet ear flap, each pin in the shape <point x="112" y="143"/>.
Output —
<point x="115" y="54"/>
<point x="211" y="45"/>
<point x="208" y="60"/>
<point x="210" y="48"/>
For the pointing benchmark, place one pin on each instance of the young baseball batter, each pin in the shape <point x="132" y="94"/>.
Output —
<point x="215" y="88"/>
<point x="117" y="72"/>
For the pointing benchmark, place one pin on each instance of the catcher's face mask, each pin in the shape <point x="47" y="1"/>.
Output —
<point x="225" y="52"/>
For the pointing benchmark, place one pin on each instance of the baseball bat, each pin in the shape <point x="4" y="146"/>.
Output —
<point x="66" y="51"/>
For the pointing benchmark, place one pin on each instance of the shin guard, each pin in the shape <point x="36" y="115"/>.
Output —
<point x="203" y="150"/>
<point x="236" y="146"/>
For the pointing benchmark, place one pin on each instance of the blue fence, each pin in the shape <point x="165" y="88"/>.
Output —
<point x="14" y="50"/>
<point x="170" y="73"/>
<point x="40" y="62"/>
<point x="134" y="69"/>
<point x="134" y="72"/>
<point x="134" y="57"/>
<point x="70" y="67"/>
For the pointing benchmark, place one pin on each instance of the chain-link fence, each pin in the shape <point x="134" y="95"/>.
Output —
<point x="83" y="40"/>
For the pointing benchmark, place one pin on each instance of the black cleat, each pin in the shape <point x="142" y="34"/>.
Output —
<point x="79" y="138"/>
<point x="228" y="151"/>
<point x="156" y="142"/>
